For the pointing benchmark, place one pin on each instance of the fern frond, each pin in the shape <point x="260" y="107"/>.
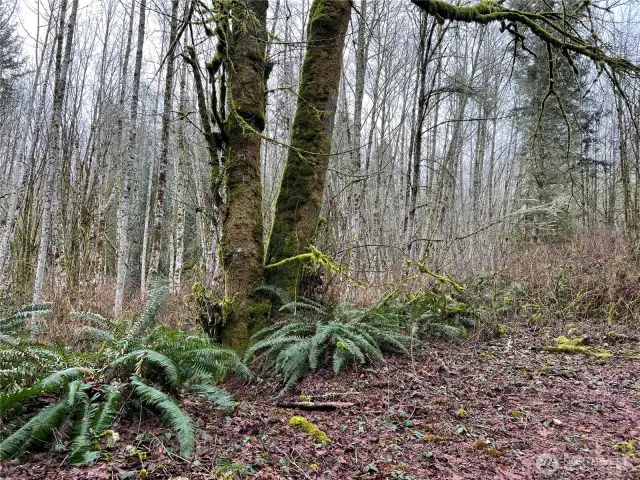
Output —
<point x="350" y="347"/>
<point x="141" y="328"/>
<point x="299" y="326"/>
<point x="93" y="334"/>
<point x="170" y="413"/>
<point x="215" y="361"/>
<point x="8" y="340"/>
<point x="270" y="343"/>
<point x="107" y="410"/>
<point x="444" y="330"/>
<point x="154" y="358"/>
<point x="76" y="392"/>
<point x="293" y="307"/>
<point x="81" y="445"/>
<point x="204" y="386"/>
<point x="9" y="400"/>
<point x="36" y="429"/>
<point x="58" y="380"/>
<point x="26" y="311"/>
<point x="276" y="292"/>
<point x="318" y="342"/>
<point x="339" y="360"/>
<point x="92" y="317"/>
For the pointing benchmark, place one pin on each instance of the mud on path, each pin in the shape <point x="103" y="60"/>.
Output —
<point x="503" y="409"/>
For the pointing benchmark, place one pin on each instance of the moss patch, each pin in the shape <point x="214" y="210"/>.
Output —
<point x="304" y="425"/>
<point x="575" y="346"/>
<point x="627" y="448"/>
<point x="484" y="447"/>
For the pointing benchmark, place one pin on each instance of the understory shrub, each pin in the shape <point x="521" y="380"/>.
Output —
<point x="21" y="361"/>
<point x="132" y="365"/>
<point x="590" y="276"/>
<point x="307" y="334"/>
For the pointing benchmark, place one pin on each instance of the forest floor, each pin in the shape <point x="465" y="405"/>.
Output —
<point x="502" y="408"/>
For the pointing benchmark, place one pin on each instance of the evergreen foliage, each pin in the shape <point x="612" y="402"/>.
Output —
<point x="141" y="361"/>
<point x="20" y="360"/>
<point x="310" y="334"/>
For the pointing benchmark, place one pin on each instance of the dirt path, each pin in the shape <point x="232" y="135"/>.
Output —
<point x="504" y="409"/>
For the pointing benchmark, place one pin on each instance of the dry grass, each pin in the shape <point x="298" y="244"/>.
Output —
<point x="58" y="327"/>
<point x="594" y="275"/>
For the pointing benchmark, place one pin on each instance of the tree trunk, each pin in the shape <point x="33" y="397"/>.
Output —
<point x="242" y="239"/>
<point x="55" y="132"/>
<point x="158" y="216"/>
<point x="179" y="200"/>
<point x="125" y="204"/>
<point x="301" y="192"/>
<point x="29" y="137"/>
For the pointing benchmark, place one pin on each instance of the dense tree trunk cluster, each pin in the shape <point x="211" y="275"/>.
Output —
<point x="300" y="143"/>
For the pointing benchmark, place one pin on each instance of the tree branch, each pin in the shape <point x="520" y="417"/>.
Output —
<point x="541" y="24"/>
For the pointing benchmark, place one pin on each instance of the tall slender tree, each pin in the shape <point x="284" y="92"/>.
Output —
<point x="124" y="210"/>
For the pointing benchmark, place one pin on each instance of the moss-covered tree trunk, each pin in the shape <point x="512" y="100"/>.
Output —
<point x="242" y="244"/>
<point x="303" y="182"/>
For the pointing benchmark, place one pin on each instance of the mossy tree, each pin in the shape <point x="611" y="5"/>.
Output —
<point x="241" y="51"/>
<point x="242" y="238"/>
<point x="550" y="26"/>
<point x="300" y="197"/>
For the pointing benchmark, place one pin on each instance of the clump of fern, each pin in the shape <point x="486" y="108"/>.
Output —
<point x="141" y="361"/>
<point x="22" y="361"/>
<point x="310" y="334"/>
<point x="433" y="313"/>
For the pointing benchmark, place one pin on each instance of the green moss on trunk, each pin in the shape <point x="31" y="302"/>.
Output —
<point x="300" y="197"/>
<point x="242" y="238"/>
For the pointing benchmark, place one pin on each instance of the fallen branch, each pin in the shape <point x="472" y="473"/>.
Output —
<point x="315" y="405"/>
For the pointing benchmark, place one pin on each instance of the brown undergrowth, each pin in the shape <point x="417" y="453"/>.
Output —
<point x="402" y="420"/>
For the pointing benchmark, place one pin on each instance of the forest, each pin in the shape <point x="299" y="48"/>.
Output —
<point x="319" y="239"/>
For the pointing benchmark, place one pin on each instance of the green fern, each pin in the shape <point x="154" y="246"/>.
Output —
<point x="143" y="360"/>
<point x="152" y="357"/>
<point x="39" y="427"/>
<point x="81" y="450"/>
<point x="345" y="335"/>
<point x="204" y="386"/>
<point x="21" y="360"/>
<point x="91" y="317"/>
<point x="277" y="293"/>
<point x="107" y="410"/>
<point x="311" y="334"/>
<point x="170" y="413"/>
<point x="94" y="335"/>
<point x="148" y="318"/>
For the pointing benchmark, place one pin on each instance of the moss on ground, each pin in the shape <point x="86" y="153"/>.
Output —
<point x="304" y="425"/>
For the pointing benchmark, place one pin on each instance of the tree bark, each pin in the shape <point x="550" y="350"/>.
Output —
<point x="242" y="238"/>
<point x="158" y="215"/>
<point x="179" y="200"/>
<point x="301" y="192"/>
<point x="125" y="204"/>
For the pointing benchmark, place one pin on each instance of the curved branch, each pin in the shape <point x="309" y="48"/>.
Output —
<point x="487" y="11"/>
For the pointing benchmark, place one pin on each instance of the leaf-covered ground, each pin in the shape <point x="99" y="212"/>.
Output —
<point x="503" y="408"/>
